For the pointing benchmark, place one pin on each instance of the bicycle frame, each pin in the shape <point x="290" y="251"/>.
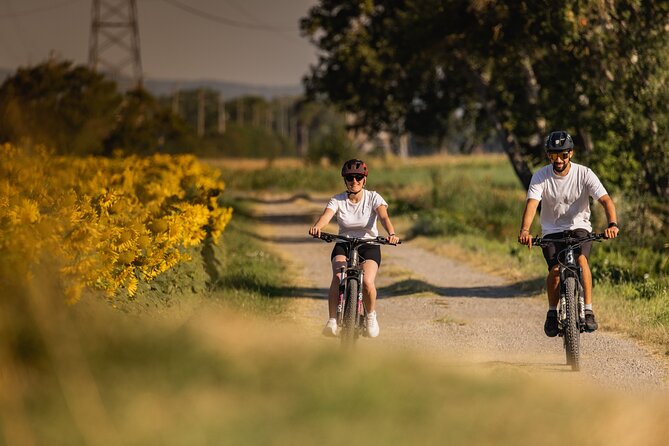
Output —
<point x="351" y="280"/>
<point x="571" y="306"/>
<point x="570" y="268"/>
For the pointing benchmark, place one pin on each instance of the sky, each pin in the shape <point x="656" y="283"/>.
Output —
<point x="248" y="41"/>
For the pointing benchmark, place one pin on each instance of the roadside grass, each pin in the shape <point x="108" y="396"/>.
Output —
<point x="251" y="277"/>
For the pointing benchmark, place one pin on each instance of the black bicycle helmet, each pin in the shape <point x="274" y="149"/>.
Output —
<point x="559" y="141"/>
<point x="354" y="166"/>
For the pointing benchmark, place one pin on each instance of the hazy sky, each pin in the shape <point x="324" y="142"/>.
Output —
<point x="250" y="41"/>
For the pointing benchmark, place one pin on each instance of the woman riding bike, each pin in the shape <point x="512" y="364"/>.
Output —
<point x="357" y="210"/>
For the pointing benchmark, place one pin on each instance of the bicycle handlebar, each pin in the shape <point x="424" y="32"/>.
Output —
<point x="540" y="241"/>
<point x="326" y="236"/>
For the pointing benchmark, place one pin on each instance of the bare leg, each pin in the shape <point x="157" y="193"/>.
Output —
<point x="370" y="268"/>
<point x="553" y="286"/>
<point x="333" y="295"/>
<point x="587" y="279"/>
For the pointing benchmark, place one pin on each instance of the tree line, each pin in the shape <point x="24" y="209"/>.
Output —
<point x="507" y="71"/>
<point x="76" y="111"/>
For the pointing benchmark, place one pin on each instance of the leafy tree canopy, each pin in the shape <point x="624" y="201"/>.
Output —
<point x="518" y="69"/>
<point x="57" y="104"/>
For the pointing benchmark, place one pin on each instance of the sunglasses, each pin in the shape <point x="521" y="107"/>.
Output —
<point x="350" y="178"/>
<point x="555" y="156"/>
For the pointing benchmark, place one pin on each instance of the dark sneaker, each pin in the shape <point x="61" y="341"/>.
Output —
<point x="551" y="325"/>
<point x="590" y="322"/>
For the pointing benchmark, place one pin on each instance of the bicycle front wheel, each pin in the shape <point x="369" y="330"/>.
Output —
<point x="572" y="334"/>
<point x="350" y="313"/>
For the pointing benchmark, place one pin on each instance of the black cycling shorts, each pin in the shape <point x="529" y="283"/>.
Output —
<point x="552" y="250"/>
<point x="366" y="252"/>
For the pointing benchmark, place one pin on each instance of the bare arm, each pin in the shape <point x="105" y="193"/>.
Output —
<point x="323" y="220"/>
<point x="611" y="216"/>
<point x="530" y="211"/>
<point x="382" y="212"/>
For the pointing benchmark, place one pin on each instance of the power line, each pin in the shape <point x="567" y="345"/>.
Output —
<point x="226" y="21"/>
<point x="14" y="15"/>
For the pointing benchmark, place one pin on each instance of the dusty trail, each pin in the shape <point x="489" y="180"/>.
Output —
<point x="436" y="306"/>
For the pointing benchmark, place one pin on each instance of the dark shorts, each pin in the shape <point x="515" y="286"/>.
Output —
<point x="553" y="249"/>
<point x="366" y="252"/>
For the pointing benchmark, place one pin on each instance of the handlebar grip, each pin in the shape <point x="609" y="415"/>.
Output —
<point x="384" y="240"/>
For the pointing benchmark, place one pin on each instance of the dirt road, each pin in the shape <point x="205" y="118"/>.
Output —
<point x="435" y="306"/>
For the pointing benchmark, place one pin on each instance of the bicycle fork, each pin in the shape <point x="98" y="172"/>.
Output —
<point x="360" y="307"/>
<point x="572" y="268"/>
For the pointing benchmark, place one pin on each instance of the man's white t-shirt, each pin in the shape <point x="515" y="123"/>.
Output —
<point x="357" y="219"/>
<point x="565" y="200"/>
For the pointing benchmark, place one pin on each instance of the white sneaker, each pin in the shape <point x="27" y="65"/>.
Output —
<point x="372" y="325"/>
<point x="330" y="328"/>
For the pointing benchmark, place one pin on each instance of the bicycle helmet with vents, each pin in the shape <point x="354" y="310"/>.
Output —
<point x="353" y="167"/>
<point x="559" y="141"/>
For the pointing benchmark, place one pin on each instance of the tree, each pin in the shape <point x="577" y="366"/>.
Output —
<point x="68" y="108"/>
<point x="518" y="69"/>
<point x="144" y="126"/>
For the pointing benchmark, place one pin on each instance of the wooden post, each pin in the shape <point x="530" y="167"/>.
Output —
<point x="221" y="114"/>
<point x="200" y="113"/>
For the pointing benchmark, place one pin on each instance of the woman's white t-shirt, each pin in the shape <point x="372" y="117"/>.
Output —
<point x="565" y="202"/>
<point x="357" y="219"/>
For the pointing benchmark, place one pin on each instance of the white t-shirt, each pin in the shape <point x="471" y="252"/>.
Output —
<point x="357" y="219"/>
<point x="565" y="200"/>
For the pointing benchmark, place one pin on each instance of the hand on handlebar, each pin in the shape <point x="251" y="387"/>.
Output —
<point x="611" y="232"/>
<point x="525" y="238"/>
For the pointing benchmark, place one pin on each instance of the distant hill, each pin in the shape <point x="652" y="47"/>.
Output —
<point x="229" y="90"/>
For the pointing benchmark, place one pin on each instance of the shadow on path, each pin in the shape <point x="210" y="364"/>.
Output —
<point x="291" y="199"/>
<point x="412" y="286"/>
<point x="407" y="287"/>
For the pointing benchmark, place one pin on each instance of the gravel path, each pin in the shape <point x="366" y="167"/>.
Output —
<point x="433" y="305"/>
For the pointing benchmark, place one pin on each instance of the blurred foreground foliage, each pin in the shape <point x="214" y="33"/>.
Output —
<point x="194" y="380"/>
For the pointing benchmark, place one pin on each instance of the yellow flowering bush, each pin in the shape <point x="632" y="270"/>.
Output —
<point x="107" y="223"/>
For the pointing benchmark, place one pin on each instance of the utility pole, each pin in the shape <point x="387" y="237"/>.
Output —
<point x="221" y="114"/>
<point x="114" y="40"/>
<point x="200" y="113"/>
<point x="240" y="111"/>
<point x="175" y="102"/>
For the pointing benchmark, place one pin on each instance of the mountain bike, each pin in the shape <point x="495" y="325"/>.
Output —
<point x="351" y="312"/>
<point x="571" y="307"/>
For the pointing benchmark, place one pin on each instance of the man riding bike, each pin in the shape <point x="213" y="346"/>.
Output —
<point x="564" y="188"/>
<point x="357" y="210"/>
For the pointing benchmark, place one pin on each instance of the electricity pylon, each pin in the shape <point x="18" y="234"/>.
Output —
<point x="114" y="40"/>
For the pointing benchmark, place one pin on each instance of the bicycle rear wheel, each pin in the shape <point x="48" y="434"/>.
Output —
<point x="572" y="334"/>
<point x="348" y="331"/>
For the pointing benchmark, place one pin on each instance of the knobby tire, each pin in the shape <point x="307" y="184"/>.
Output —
<point x="572" y="334"/>
<point x="350" y="313"/>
